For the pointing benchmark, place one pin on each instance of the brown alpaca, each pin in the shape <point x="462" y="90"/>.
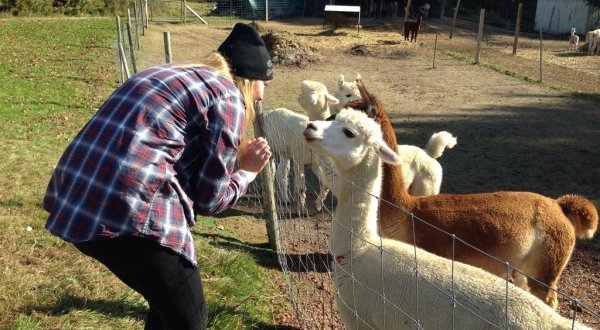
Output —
<point x="535" y="234"/>
<point x="413" y="27"/>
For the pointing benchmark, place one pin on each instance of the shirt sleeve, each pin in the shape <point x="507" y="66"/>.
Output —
<point x="218" y="186"/>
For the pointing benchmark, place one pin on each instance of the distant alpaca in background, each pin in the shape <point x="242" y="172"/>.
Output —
<point x="413" y="27"/>
<point x="573" y="40"/>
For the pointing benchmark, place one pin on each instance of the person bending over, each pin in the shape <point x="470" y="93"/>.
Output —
<point x="160" y="150"/>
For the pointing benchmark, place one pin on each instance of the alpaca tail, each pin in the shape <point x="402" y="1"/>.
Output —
<point x="582" y="213"/>
<point x="438" y="142"/>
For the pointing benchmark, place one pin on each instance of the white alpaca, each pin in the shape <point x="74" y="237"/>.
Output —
<point x="573" y="40"/>
<point x="422" y="172"/>
<point x="592" y="38"/>
<point x="387" y="284"/>
<point x="315" y="99"/>
<point x="283" y="130"/>
<point x="345" y="92"/>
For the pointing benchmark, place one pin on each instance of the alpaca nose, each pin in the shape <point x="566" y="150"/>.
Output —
<point x="310" y="132"/>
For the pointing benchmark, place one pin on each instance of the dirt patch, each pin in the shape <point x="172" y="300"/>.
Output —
<point x="512" y="134"/>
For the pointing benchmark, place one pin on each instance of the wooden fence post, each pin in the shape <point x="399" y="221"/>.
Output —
<point x="145" y="13"/>
<point x="517" y="28"/>
<point x="123" y="58"/>
<point x="120" y="64"/>
<point x="479" y="35"/>
<point x="434" y="49"/>
<point x="131" y="43"/>
<point x="137" y="30"/>
<point x="167" y="41"/>
<point x="267" y="190"/>
<point x="541" y="57"/>
<point x="454" y="19"/>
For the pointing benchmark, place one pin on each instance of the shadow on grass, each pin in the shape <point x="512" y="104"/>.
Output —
<point x="221" y="312"/>
<point x="265" y="257"/>
<point x="111" y="308"/>
<point x="120" y="309"/>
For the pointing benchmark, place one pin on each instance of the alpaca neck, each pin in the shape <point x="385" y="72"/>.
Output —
<point x="356" y="213"/>
<point x="321" y="113"/>
<point x="393" y="189"/>
<point x="326" y="113"/>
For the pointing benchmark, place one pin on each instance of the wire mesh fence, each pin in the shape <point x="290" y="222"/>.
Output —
<point x="309" y="265"/>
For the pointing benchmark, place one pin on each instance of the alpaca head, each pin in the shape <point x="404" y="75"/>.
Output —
<point x="370" y="105"/>
<point x="315" y="98"/>
<point x="347" y="138"/>
<point x="420" y="14"/>
<point x="347" y="90"/>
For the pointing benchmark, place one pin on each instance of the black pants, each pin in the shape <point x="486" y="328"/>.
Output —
<point x="169" y="282"/>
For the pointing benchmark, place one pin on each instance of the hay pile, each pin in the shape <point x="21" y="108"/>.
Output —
<point x="285" y="49"/>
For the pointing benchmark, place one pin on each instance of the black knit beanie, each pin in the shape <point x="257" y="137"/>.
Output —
<point x="247" y="54"/>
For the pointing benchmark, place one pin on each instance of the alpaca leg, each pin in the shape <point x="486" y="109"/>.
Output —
<point x="282" y="179"/>
<point x="548" y="261"/>
<point x="300" y="187"/>
<point x="520" y="280"/>
<point x="545" y="293"/>
<point x="323" y="188"/>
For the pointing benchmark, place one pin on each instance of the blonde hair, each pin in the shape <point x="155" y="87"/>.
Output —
<point x="217" y="62"/>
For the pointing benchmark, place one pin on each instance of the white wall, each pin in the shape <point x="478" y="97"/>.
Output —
<point x="558" y="16"/>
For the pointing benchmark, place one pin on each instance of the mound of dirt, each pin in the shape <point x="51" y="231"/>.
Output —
<point x="360" y="50"/>
<point x="286" y="50"/>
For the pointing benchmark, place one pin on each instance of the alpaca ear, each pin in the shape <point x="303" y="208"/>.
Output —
<point x="341" y="80"/>
<point x="332" y="99"/>
<point x="387" y="154"/>
<point x="358" y="76"/>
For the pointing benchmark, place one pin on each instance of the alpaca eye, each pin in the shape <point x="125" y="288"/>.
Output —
<point x="349" y="133"/>
<point x="348" y="95"/>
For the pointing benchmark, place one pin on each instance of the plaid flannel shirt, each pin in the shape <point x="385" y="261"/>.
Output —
<point x="162" y="147"/>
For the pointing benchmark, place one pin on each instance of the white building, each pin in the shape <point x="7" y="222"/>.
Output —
<point x="558" y="16"/>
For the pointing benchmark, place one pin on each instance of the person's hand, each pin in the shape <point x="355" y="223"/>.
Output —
<point x="255" y="155"/>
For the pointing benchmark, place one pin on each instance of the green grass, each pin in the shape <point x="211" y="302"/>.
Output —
<point x="55" y="74"/>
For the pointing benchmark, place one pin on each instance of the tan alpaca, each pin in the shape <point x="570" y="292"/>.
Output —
<point x="534" y="233"/>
